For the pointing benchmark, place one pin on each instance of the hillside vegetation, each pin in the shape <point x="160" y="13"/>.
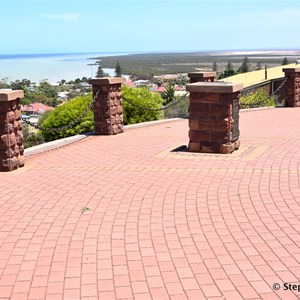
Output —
<point x="147" y="65"/>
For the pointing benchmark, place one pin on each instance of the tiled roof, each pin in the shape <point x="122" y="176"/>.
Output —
<point x="129" y="83"/>
<point x="36" y="107"/>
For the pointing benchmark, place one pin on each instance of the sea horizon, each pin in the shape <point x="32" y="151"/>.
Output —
<point x="148" y="51"/>
<point x="55" y="54"/>
<point x="54" y="67"/>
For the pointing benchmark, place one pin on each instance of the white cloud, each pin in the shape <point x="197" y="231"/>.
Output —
<point x="64" y="17"/>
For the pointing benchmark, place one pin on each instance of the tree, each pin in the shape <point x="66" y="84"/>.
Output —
<point x="229" y="71"/>
<point x="182" y="80"/>
<point x="169" y="94"/>
<point x="38" y="97"/>
<point x="4" y="83"/>
<point x="158" y="82"/>
<point x="245" y="67"/>
<point x="62" y="82"/>
<point x="44" y="93"/>
<point x="229" y="67"/>
<point x="215" y="67"/>
<point x="47" y="89"/>
<point x="31" y="138"/>
<point x="285" y="61"/>
<point x="100" y="73"/>
<point x="22" y="85"/>
<point x="118" y="70"/>
<point x="258" y="66"/>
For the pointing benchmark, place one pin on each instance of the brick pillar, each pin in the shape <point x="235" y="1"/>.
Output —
<point x="202" y="76"/>
<point x="214" y="117"/>
<point x="11" y="135"/>
<point x="108" y="111"/>
<point x="292" y="87"/>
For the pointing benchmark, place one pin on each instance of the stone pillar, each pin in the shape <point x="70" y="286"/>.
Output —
<point x="202" y="76"/>
<point x="292" y="87"/>
<point x="214" y="117"/>
<point x="11" y="135"/>
<point x="108" y="111"/>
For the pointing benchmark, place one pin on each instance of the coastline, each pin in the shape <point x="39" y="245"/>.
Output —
<point x="68" y="66"/>
<point x="41" y="55"/>
<point x="52" y="67"/>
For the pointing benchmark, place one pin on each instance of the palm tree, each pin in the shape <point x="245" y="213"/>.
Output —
<point x="169" y="94"/>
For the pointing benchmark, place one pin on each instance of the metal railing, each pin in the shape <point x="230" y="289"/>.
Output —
<point x="173" y="103"/>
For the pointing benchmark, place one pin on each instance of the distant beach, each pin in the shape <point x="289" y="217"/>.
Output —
<point x="53" y="67"/>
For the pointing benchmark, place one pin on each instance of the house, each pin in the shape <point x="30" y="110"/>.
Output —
<point x="129" y="83"/>
<point x="141" y="83"/>
<point x="167" y="77"/>
<point x="35" y="108"/>
<point x="63" y="96"/>
<point x="162" y="89"/>
<point x="84" y="84"/>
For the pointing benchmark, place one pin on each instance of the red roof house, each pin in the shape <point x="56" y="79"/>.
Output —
<point x="35" y="108"/>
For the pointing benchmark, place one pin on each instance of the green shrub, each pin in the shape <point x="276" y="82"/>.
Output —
<point x="63" y="115"/>
<point x="169" y="94"/>
<point x="67" y="113"/>
<point x="141" y="97"/>
<point x="44" y="116"/>
<point x="260" y="98"/>
<point x="31" y="138"/>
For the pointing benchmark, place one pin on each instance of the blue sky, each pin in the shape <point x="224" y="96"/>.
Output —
<point x="61" y="26"/>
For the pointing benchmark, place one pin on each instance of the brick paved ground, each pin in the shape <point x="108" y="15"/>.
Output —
<point x="161" y="224"/>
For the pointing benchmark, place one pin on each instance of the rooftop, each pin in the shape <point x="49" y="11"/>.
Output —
<point x="131" y="217"/>
<point x="255" y="77"/>
<point x="36" y="107"/>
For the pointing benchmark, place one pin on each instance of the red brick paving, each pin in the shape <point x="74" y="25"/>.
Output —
<point x="161" y="224"/>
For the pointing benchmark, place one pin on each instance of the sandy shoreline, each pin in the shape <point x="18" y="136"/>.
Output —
<point x="261" y="52"/>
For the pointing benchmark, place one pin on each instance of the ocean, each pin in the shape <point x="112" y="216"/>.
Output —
<point x="51" y="67"/>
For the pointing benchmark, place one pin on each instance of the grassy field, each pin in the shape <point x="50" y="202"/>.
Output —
<point x="149" y="64"/>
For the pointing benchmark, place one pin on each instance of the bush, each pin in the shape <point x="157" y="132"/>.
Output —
<point x="260" y="98"/>
<point x="44" y="116"/>
<point x="31" y="138"/>
<point x="65" y="114"/>
<point x="141" y="97"/>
